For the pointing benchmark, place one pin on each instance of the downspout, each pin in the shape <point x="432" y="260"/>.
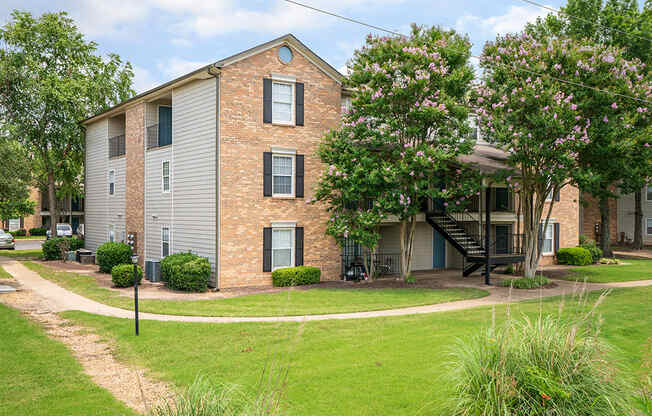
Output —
<point x="215" y="72"/>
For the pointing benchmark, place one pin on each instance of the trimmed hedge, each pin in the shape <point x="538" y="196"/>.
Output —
<point x="19" y="233"/>
<point x="296" y="276"/>
<point x="122" y="275"/>
<point x="186" y="271"/>
<point x="37" y="231"/>
<point x="575" y="256"/>
<point x="112" y="254"/>
<point x="52" y="247"/>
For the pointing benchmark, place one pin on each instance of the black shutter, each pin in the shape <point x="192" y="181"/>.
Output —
<point x="298" y="246"/>
<point x="556" y="227"/>
<point x="299" y="177"/>
<point x="556" y="196"/>
<point x="267" y="249"/>
<point x="267" y="100"/>
<point x="540" y="240"/>
<point x="299" y="103"/>
<point x="267" y="174"/>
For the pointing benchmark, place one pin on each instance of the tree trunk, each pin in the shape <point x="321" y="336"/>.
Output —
<point x="369" y="262"/>
<point x="638" y="220"/>
<point x="52" y="202"/>
<point x="605" y="235"/>
<point x="407" y="238"/>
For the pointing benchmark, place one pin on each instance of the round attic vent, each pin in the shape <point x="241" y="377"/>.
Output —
<point x="285" y="54"/>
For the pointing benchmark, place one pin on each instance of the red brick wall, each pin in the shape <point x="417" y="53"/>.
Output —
<point x="135" y="173"/>
<point x="34" y="220"/>
<point x="566" y="212"/>
<point x="244" y="212"/>
<point x="591" y="216"/>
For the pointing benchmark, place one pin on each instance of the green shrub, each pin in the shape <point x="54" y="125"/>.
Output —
<point x="540" y="367"/>
<point x="411" y="279"/>
<point x="19" y="233"/>
<point x="112" y="254"/>
<point x="122" y="275"/>
<point x="186" y="271"/>
<point x="37" y="231"/>
<point x="576" y="256"/>
<point x="587" y="243"/>
<point x="609" y="261"/>
<point x="75" y="243"/>
<point x="296" y="276"/>
<point x="55" y="248"/>
<point x="525" y="282"/>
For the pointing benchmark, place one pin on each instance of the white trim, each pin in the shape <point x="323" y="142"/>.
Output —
<point x="111" y="192"/>
<point x="283" y="150"/>
<point x="647" y="221"/>
<point x="110" y="230"/>
<point x="291" y="79"/>
<point x="292" y="246"/>
<point x="165" y="226"/>
<point x="551" y="224"/>
<point x="293" y="104"/>
<point x="163" y="162"/>
<point x="284" y="224"/>
<point x="292" y="193"/>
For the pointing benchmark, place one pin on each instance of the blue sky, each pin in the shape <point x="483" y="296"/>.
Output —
<point x="167" y="38"/>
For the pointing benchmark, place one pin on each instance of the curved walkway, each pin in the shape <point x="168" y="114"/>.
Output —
<point x="59" y="299"/>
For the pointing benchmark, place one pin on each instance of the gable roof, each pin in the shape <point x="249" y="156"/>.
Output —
<point x="208" y="70"/>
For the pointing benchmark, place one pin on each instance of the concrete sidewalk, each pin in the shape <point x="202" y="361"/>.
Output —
<point x="59" y="299"/>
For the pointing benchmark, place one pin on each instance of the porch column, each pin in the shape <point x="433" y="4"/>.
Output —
<point x="487" y="234"/>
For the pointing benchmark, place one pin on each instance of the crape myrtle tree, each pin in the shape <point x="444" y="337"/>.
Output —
<point x="399" y="142"/>
<point x="535" y="120"/>
<point x="620" y="23"/>
<point x="50" y="79"/>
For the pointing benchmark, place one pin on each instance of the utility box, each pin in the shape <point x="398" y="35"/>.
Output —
<point x="153" y="271"/>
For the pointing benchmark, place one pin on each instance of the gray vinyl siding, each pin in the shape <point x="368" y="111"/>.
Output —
<point x="626" y="209"/>
<point x="116" y="126"/>
<point x="158" y="204"/>
<point x="390" y="243"/>
<point x="115" y="207"/>
<point x="96" y="189"/>
<point x="193" y="161"/>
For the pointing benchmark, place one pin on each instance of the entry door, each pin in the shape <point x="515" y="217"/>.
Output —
<point x="502" y="239"/>
<point x="438" y="251"/>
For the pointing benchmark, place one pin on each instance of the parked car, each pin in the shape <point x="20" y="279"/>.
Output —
<point x="63" y="230"/>
<point x="7" y="240"/>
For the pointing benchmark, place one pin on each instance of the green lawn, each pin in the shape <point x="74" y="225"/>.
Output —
<point x="291" y="302"/>
<point x="4" y="274"/>
<point x="637" y="270"/>
<point x="381" y="366"/>
<point x="39" y="376"/>
<point x="29" y="237"/>
<point x="22" y="254"/>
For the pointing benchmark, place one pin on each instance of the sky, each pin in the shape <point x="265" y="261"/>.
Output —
<point x="164" y="39"/>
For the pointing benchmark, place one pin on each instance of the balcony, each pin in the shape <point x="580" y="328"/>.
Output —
<point x="117" y="146"/>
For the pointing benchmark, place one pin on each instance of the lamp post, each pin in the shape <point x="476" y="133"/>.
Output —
<point x="134" y="260"/>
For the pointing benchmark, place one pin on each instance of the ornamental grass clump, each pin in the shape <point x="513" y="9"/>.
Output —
<point x="542" y="366"/>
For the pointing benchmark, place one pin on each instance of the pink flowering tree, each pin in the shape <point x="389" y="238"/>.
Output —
<point x="536" y="121"/>
<point x="400" y="141"/>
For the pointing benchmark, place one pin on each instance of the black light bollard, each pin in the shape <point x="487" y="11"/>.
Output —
<point x="134" y="260"/>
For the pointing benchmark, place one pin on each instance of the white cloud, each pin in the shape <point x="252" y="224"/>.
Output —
<point x="143" y="79"/>
<point x="175" y="67"/>
<point x="512" y="21"/>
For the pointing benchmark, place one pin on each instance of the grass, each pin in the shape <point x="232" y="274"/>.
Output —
<point x="289" y="302"/>
<point x="4" y="274"/>
<point x="388" y="366"/>
<point x="22" y="254"/>
<point x="40" y="377"/>
<point x="525" y="282"/>
<point x="29" y="237"/>
<point x="631" y="270"/>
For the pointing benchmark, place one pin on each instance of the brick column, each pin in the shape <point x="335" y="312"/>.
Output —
<point x="135" y="172"/>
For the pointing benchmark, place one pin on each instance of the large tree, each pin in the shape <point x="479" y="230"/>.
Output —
<point x="51" y="78"/>
<point x="15" y="181"/>
<point x="400" y="141"/>
<point x="620" y="23"/>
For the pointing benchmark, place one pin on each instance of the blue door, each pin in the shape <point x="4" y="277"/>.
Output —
<point x="164" y="126"/>
<point x="438" y="251"/>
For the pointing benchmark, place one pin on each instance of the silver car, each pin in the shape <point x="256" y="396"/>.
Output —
<point x="7" y="240"/>
<point x="63" y="230"/>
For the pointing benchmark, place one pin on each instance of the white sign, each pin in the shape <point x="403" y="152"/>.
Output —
<point x="14" y="224"/>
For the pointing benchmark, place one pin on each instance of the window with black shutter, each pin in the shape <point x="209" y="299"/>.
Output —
<point x="267" y="100"/>
<point x="267" y="249"/>
<point x="299" y="103"/>
<point x="298" y="246"/>
<point x="299" y="176"/>
<point x="267" y="174"/>
<point x="556" y="235"/>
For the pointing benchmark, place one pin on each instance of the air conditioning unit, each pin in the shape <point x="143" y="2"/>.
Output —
<point x="153" y="271"/>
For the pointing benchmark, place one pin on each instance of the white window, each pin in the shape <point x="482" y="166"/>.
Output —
<point x="111" y="233"/>
<point x="165" y="241"/>
<point x="282" y="175"/>
<point x="111" y="182"/>
<point x="166" y="176"/>
<point x="649" y="193"/>
<point x="548" y="239"/>
<point x="282" y="103"/>
<point x="282" y="247"/>
<point x="649" y="226"/>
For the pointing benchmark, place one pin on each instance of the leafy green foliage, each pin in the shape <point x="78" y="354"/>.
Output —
<point x="575" y="256"/>
<point x="19" y="233"/>
<point x="111" y="254"/>
<point x="187" y="272"/>
<point x="587" y="243"/>
<point x="50" y="79"/>
<point x="537" y="367"/>
<point x="407" y="125"/>
<point x="37" y="231"/>
<point x="296" y="276"/>
<point x="525" y="282"/>
<point x="54" y="248"/>
<point x="122" y="275"/>
<point x="15" y="179"/>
